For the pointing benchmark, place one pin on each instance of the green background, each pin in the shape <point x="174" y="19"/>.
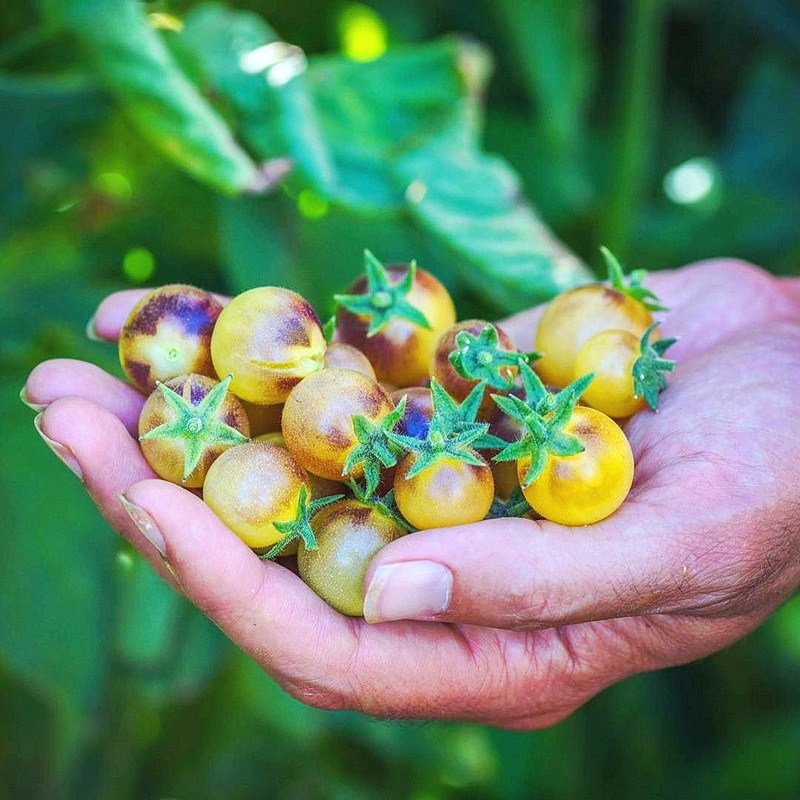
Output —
<point x="669" y="131"/>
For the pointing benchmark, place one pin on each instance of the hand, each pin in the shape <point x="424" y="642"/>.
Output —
<point x="508" y="622"/>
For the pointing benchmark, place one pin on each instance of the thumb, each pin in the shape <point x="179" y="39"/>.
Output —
<point x="516" y="573"/>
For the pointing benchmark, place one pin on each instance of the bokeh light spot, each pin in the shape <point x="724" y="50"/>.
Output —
<point x="311" y="205"/>
<point x="165" y="22"/>
<point x="138" y="265"/>
<point x="692" y="181"/>
<point x="115" y="185"/>
<point x="362" y="33"/>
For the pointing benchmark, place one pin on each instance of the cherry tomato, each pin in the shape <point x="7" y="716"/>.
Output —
<point x="317" y="419"/>
<point x="349" y="533"/>
<point x="502" y="370"/>
<point x="588" y="486"/>
<point x="269" y="339"/>
<point x="252" y="486"/>
<point x="167" y="334"/>
<point x="448" y="492"/>
<point x="416" y="418"/>
<point x="610" y="355"/>
<point x="345" y="356"/>
<point x="401" y="351"/>
<point x="183" y="427"/>
<point x="573" y="317"/>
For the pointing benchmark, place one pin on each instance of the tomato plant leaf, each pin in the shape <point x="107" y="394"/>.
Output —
<point x="131" y="59"/>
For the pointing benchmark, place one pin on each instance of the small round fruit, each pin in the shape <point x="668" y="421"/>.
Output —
<point x="589" y="486"/>
<point x="317" y="419"/>
<point x="573" y="317"/>
<point x="269" y="338"/>
<point x="416" y="419"/>
<point x="345" y="356"/>
<point x="401" y="350"/>
<point x="187" y="423"/>
<point x="502" y="372"/>
<point x="448" y="492"/>
<point x="349" y="533"/>
<point x="610" y="355"/>
<point x="252" y="486"/>
<point x="167" y="334"/>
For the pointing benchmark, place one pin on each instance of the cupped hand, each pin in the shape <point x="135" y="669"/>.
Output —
<point x="513" y="623"/>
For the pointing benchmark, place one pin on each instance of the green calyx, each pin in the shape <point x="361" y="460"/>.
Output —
<point x="515" y="506"/>
<point x="375" y="448"/>
<point x="482" y="358"/>
<point x="383" y="299"/>
<point x="300" y="526"/>
<point x="632" y="286"/>
<point x="544" y="428"/>
<point x="457" y="417"/>
<point x="385" y="505"/>
<point x="649" y="370"/>
<point x="197" y="426"/>
<point x="453" y="432"/>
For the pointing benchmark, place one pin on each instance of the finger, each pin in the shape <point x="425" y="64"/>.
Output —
<point x="65" y="377"/>
<point x="113" y="310"/>
<point x="520" y="574"/>
<point x="94" y="443"/>
<point x="791" y="286"/>
<point x="411" y="670"/>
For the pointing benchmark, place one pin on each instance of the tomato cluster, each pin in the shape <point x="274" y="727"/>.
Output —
<point x="329" y="442"/>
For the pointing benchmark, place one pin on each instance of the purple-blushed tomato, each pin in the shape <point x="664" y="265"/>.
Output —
<point x="167" y="334"/>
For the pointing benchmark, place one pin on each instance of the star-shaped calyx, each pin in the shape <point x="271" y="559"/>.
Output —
<point x="633" y="285"/>
<point x="649" y="377"/>
<point x="383" y="299"/>
<point x="374" y="449"/>
<point x="483" y="358"/>
<point x="299" y="527"/>
<point x="453" y="432"/>
<point x="197" y="426"/>
<point x="454" y="416"/>
<point x="544" y="428"/>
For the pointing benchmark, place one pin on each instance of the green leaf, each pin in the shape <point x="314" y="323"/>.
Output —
<point x="56" y="578"/>
<point x="131" y="59"/>
<point x="552" y="46"/>
<point x="472" y="206"/>
<point x="262" y="79"/>
<point x="162" y="642"/>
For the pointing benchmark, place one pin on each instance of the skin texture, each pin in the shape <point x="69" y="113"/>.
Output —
<point x="538" y="618"/>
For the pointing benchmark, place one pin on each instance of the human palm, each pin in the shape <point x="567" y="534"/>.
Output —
<point x="508" y="622"/>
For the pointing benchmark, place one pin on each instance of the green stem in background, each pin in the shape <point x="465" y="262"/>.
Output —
<point x="637" y="90"/>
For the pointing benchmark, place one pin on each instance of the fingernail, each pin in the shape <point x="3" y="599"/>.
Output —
<point x="64" y="454"/>
<point x="408" y="590"/>
<point x="147" y="527"/>
<point x="91" y="331"/>
<point x="23" y="395"/>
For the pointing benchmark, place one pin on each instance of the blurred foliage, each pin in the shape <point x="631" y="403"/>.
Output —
<point x="136" y="147"/>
